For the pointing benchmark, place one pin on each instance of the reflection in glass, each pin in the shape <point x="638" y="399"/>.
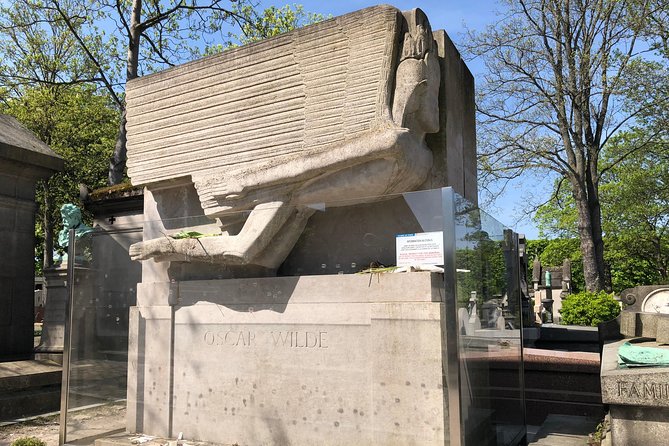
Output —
<point x="480" y="341"/>
<point x="489" y="324"/>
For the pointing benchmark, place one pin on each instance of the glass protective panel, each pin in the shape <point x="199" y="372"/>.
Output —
<point x="337" y="329"/>
<point x="490" y="328"/>
<point x="104" y="288"/>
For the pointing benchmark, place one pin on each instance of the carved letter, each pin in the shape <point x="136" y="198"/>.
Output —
<point x="231" y="339"/>
<point x="649" y="390"/>
<point x="279" y="337"/>
<point x="634" y="391"/>
<point x="622" y="388"/>
<point x="314" y="338"/>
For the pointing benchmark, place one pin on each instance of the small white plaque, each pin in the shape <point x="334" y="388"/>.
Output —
<point x="425" y="248"/>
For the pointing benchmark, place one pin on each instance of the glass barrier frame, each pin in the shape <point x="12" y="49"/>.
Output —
<point x="451" y="208"/>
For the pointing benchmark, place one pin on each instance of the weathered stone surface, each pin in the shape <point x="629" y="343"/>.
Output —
<point x="335" y="113"/>
<point x="639" y="426"/>
<point x="634" y="297"/>
<point x="20" y="145"/>
<point x="646" y="313"/>
<point x="292" y="360"/>
<point x="637" y="386"/>
<point x="311" y="88"/>
<point x="249" y="145"/>
<point x="454" y="146"/>
<point x="24" y="159"/>
<point x="638" y="396"/>
<point x="53" y="329"/>
<point x="28" y="388"/>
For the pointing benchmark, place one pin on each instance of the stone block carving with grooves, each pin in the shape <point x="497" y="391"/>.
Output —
<point x="335" y="111"/>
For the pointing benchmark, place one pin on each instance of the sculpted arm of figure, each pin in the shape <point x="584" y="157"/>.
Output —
<point x="386" y="143"/>
<point x="260" y="228"/>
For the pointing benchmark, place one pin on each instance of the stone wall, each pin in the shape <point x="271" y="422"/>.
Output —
<point x="23" y="161"/>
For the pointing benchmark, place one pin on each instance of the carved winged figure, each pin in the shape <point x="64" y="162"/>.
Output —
<point x="390" y="157"/>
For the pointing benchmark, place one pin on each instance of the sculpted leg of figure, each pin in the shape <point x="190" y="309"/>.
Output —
<point x="258" y="230"/>
<point x="285" y="239"/>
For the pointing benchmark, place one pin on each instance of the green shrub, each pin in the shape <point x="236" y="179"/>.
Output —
<point x="28" y="441"/>
<point x="589" y="308"/>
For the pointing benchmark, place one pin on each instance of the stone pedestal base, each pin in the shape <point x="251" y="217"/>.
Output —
<point x="354" y="359"/>
<point x="638" y="399"/>
<point x="53" y="328"/>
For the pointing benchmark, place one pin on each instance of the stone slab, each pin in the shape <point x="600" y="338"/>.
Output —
<point x="564" y="430"/>
<point x="53" y="328"/>
<point x="637" y="386"/>
<point x="17" y="277"/>
<point x="24" y="159"/>
<point x="454" y="146"/>
<point x="28" y="388"/>
<point x="561" y="383"/>
<point x="639" y="426"/>
<point x="20" y="145"/>
<point x="645" y="325"/>
<point x="19" y="375"/>
<point x="124" y="439"/>
<point x="351" y="358"/>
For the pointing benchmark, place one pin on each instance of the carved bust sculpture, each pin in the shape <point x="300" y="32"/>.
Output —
<point x="71" y="216"/>
<point x="390" y="156"/>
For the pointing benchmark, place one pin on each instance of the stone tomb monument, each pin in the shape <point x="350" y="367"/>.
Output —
<point x="24" y="160"/>
<point x="635" y="370"/>
<point x="234" y="151"/>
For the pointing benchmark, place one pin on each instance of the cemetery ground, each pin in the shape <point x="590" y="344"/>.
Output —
<point x="45" y="428"/>
<point x="558" y="431"/>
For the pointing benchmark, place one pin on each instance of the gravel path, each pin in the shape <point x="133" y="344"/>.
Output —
<point x="88" y="422"/>
<point x="44" y="428"/>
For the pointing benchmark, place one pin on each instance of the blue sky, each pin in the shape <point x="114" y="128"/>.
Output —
<point x="453" y="16"/>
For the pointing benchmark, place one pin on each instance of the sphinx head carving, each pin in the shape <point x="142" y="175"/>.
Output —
<point x="417" y="79"/>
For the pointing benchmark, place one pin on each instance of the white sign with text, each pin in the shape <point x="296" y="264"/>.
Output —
<point x="425" y="248"/>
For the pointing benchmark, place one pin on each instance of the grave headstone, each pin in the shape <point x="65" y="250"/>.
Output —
<point x="634" y="372"/>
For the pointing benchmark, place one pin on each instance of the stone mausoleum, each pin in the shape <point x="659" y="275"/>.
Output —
<point x="24" y="160"/>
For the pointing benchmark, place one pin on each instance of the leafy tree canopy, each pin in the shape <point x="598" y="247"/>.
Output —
<point x="560" y="83"/>
<point x="635" y="212"/>
<point x="80" y="125"/>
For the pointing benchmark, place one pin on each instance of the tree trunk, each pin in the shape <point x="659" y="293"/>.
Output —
<point x="592" y="245"/>
<point x="47" y="255"/>
<point x="117" y="162"/>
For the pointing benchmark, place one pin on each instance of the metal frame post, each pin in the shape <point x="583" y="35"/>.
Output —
<point x="67" y="341"/>
<point x="450" y="335"/>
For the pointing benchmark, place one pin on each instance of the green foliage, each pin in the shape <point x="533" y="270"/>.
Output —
<point x="270" y="22"/>
<point x="80" y="125"/>
<point x="36" y="45"/>
<point x="485" y="270"/>
<point x="28" y="441"/>
<point x="58" y="56"/>
<point x="103" y="44"/>
<point x="559" y="78"/>
<point x="587" y="308"/>
<point x="635" y="212"/>
<point x="479" y="258"/>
